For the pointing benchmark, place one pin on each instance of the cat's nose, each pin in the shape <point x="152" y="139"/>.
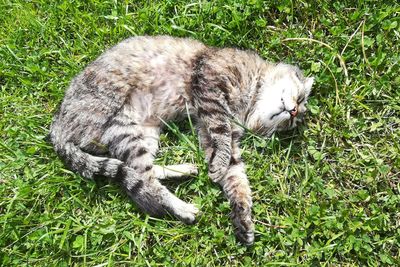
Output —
<point x="293" y="112"/>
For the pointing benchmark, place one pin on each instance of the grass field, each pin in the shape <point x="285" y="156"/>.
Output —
<point x="326" y="194"/>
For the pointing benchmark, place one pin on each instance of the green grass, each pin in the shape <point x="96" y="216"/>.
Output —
<point x="327" y="194"/>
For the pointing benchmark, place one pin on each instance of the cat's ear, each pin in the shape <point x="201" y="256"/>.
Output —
<point x="308" y="84"/>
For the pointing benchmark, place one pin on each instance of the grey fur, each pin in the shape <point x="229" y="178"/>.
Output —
<point x="112" y="113"/>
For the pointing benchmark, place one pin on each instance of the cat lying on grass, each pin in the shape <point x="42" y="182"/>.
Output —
<point x="111" y="117"/>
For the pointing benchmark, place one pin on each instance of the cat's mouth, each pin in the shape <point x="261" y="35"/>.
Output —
<point x="293" y="118"/>
<point x="292" y="112"/>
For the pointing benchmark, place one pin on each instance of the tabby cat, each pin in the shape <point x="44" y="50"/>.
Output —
<point x="110" y="120"/>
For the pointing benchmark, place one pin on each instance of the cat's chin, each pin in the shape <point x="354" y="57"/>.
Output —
<point x="289" y="124"/>
<point x="284" y="127"/>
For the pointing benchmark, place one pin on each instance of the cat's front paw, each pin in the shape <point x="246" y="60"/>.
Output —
<point x="246" y="238"/>
<point x="241" y="218"/>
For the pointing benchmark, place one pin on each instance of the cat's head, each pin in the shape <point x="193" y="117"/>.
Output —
<point x="282" y="100"/>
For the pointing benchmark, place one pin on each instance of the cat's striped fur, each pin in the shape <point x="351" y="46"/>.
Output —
<point x="112" y="113"/>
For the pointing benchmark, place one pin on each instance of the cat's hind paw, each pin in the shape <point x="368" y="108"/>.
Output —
<point x="186" y="213"/>
<point x="189" y="169"/>
<point x="178" y="172"/>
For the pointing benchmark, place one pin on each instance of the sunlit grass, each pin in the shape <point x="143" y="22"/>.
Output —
<point x="325" y="194"/>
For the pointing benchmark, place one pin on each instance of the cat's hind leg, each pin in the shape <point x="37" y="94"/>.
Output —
<point x="136" y="146"/>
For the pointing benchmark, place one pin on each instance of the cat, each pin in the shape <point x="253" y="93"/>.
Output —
<point x="111" y="116"/>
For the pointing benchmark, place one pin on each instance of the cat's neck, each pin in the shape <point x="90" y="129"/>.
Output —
<point x="255" y="92"/>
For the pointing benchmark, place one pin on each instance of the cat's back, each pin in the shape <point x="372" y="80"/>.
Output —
<point x="153" y="57"/>
<point x="147" y="47"/>
<point x="142" y="63"/>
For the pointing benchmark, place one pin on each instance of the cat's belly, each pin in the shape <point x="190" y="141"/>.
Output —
<point x="158" y="106"/>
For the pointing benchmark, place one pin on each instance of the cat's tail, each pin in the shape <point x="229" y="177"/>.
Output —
<point x="88" y="165"/>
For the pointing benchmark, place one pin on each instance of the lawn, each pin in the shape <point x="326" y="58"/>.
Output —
<point x="325" y="194"/>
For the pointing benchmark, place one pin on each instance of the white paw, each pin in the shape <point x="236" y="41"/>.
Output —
<point x="175" y="171"/>
<point x="189" y="169"/>
<point x="186" y="212"/>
